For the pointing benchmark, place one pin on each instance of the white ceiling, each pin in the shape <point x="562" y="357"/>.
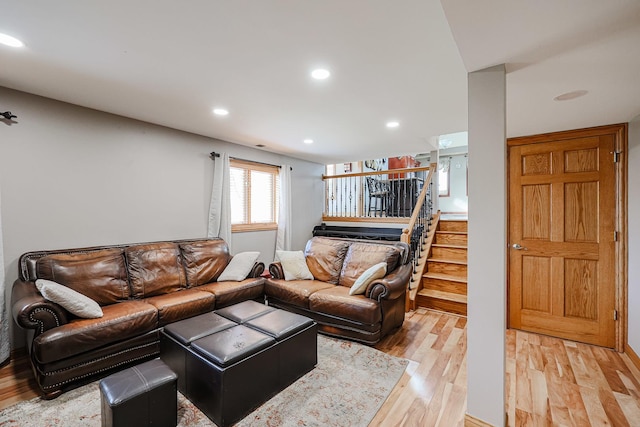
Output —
<point x="170" y="63"/>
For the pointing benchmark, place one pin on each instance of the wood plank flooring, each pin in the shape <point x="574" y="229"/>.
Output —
<point x="433" y="390"/>
<point x="16" y="380"/>
<point x="558" y="382"/>
<point x="549" y="381"/>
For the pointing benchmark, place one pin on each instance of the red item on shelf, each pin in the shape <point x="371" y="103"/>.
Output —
<point x="401" y="163"/>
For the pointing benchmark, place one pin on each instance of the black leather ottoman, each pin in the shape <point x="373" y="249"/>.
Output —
<point x="143" y="395"/>
<point x="297" y="338"/>
<point x="227" y="371"/>
<point x="244" y="311"/>
<point x="182" y="333"/>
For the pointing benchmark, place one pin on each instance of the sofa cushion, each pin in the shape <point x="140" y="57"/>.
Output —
<point x="72" y="301"/>
<point x="228" y="293"/>
<point x="362" y="256"/>
<point x="294" y="265"/>
<point x="377" y="271"/>
<point x="336" y="301"/>
<point x="155" y="269"/>
<point x="204" y="261"/>
<point x="295" y="292"/>
<point x="100" y="275"/>
<point x="239" y="267"/>
<point x="119" y="322"/>
<point x="325" y="257"/>
<point x="181" y="305"/>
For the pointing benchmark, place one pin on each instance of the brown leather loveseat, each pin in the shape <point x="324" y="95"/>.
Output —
<point x="336" y="264"/>
<point x="139" y="288"/>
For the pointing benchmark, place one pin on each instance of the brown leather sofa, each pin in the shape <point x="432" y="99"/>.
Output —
<point x="335" y="264"/>
<point x="140" y="288"/>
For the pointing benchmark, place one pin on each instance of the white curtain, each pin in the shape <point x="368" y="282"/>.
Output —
<point x="220" y="207"/>
<point x="5" y="344"/>
<point x="283" y="237"/>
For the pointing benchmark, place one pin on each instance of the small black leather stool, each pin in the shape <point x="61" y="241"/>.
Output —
<point x="244" y="311"/>
<point x="177" y="337"/>
<point x="142" y="395"/>
<point x="297" y="338"/>
<point x="231" y="372"/>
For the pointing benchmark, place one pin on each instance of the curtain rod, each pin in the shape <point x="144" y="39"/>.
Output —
<point x="213" y="156"/>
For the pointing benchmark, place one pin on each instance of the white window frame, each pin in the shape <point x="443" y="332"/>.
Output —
<point x="248" y="225"/>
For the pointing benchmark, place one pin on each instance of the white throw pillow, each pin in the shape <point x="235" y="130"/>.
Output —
<point x="294" y="265"/>
<point x="374" y="272"/>
<point x="74" y="302"/>
<point x="239" y="267"/>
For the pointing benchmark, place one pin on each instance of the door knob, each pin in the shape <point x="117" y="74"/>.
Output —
<point x="518" y="247"/>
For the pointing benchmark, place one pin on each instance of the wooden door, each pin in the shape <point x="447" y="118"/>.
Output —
<point x="562" y="241"/>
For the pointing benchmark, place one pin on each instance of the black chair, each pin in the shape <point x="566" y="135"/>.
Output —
<point x="378" y="190"/>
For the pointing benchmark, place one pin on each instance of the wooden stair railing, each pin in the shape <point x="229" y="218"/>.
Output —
<point x="345" y="202"/>
<point x="417" y="233"/>
<point x="416" y="279"/>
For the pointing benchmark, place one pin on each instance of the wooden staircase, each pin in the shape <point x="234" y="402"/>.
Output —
<point x="444" y="283"/>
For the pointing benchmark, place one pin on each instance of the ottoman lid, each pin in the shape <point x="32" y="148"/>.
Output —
<point x="244" y="311"/>
<point x="279" y="324"/>
<point x="191" y="329"/>
<point x="231" y="345"/>
<point x="131" y="382"/>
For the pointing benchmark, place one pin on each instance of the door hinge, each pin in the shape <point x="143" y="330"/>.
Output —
<point x="615" y="314"/>
<point x="615" y="236"/>
<point x="616" y="156"/>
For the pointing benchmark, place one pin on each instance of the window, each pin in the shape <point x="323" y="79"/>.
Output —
<point x="443" y="177"/>
<point x="254" y="196"/>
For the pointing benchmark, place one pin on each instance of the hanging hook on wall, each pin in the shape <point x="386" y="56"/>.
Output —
<point x="7" y="115"/>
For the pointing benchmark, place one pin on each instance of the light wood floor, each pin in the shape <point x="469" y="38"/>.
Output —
<point x="16" y="380"/>
<point x="557" y="382"/>
<point x="549" y="381"/>
<point x="433" y="389"/>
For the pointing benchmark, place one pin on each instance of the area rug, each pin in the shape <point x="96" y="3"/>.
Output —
<point x="347" y="387"/>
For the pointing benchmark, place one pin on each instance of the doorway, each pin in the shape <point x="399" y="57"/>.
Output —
<point x="567" y="216"/>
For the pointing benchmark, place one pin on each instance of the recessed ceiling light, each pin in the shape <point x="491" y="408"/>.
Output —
<point x="320" y="74"/>
<point x="10" y="41"/>
<point x="220" y="111"/>
<point x="393" y="124"/>
<point x="571" y="95"/>
<point x="308" y="141"/>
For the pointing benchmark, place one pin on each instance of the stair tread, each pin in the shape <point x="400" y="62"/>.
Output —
<point x="448" y="296"/>
<point x="442" y="276"/>
<point x="447" y="260"/>
<point x="448" y="245"/>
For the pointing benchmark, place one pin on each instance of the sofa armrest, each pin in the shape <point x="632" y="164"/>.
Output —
<point x="31" y="311"/>
<point x="257" y="270"/>
<point x="392" y="286"/>
<point x="276" y="271"/>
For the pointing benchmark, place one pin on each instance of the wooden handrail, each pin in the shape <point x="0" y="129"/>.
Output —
<point x="383" y="172"/>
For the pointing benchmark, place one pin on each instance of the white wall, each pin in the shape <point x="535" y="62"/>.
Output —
<point x="633" y="214"/>
<point x="487" y="247"/>
<point x="73" y="177"/>
<point x="457" y="201"/>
